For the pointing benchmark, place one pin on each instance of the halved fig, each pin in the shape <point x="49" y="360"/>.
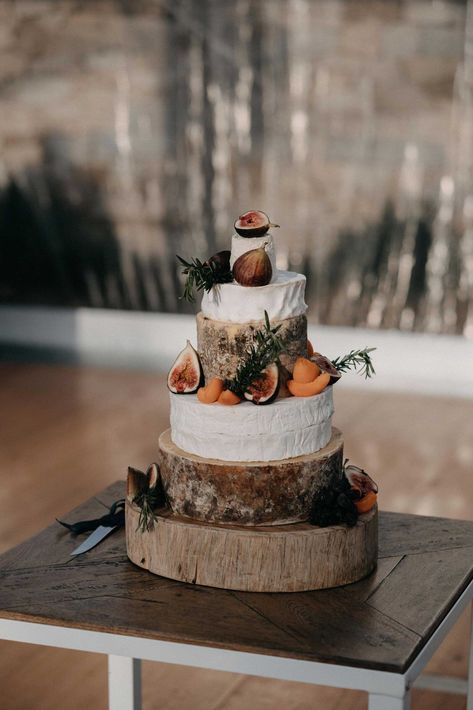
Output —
<point x="360" y="482"/>
<point x="186" y="375"/>
<point x="253" y="224"/>
<point x="264" y="390"/>
<point x="152" y="475"/>
<point x="136" y="482"/>
<point x="327" y="366"/>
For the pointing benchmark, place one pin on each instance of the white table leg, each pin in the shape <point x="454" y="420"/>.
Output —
<point x="388" y="702"/>
<point x="124" y="683"/>
<point x="469" y="702"/>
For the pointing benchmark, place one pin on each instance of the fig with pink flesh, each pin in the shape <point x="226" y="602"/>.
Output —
<point x="265" y="388"/>
<point x="253" y="268"/>
<point x="360" y="482"/>
<point x="186" y="374"/>
<point x="327" y="366"/>
<point x="253" y="224"/>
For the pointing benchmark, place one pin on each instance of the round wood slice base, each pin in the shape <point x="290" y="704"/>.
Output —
<point x="248" y="492"/>
<point x="290" y="558"/>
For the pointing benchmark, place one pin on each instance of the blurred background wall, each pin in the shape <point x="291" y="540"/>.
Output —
<point x="132" y="130"/>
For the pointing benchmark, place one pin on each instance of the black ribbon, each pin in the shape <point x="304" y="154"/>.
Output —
<point x="115" y="517"/>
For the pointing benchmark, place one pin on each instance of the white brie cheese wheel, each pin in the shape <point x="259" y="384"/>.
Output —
<point x="282" y="298"/>
<point x="286" y="428"/>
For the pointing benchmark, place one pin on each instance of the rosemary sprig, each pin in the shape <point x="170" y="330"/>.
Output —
<point x="356" y="359"/>
<point x="147" y="501"/>
<point x="265" y="350"/>
<point x="202" y="275"/>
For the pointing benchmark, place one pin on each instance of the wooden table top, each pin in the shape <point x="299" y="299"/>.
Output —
<point x="380" y="622"/>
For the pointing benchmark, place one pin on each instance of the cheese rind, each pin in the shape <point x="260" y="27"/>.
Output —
<point x="282" y="298"/>
<point x="284" y="429"/>
<point x="224" y="346"/>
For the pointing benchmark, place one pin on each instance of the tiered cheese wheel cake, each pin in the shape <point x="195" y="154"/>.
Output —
<point x="254" y="491"/>
<point x="247" y="464"/>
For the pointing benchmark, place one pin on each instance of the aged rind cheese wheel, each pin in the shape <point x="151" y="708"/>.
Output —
<point x="247" y="493"/>
<point x="292" y="558"/>
<point x="222" y="346"/>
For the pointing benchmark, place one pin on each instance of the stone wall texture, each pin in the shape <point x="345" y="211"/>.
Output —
<point x="133" y="130"/>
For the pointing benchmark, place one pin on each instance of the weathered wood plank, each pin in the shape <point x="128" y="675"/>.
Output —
<point x="337" y="627"/>
<point x="404" y="534"/>
<point x="365" y="587"/>
<point x="56" y="543"/>
<point x="198" y="615"/>
<point x="422" y="587"/>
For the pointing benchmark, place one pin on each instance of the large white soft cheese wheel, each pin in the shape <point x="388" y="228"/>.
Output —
<point x="246" y="432"/>
<point x="282" y="298"/>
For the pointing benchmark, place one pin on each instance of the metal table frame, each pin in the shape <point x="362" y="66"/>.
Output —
<point x="387" y="691"/>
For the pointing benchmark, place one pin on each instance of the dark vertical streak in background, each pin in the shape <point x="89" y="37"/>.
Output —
<point x="208" y="132"/>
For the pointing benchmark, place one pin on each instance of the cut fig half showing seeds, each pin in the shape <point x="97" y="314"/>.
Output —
<point x="360" y="482"/>
<point x="327" y="366"/>
<point x="253" y="224"/>
<point x="265" y="388"/>
<point x="186" y="375"/>
<point x="136" y="483"/>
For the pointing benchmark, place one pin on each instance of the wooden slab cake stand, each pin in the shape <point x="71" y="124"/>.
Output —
<point x="287" y="558"/>
<point x="267" y="551"/>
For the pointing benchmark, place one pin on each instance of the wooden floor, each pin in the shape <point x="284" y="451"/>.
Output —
<point x="67" y="432"/>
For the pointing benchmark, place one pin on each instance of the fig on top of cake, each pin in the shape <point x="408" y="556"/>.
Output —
<point x="251" y="266"/>
<point x="254" y="223"/>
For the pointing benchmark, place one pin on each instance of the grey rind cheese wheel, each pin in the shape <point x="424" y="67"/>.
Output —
<point x="222" y="346"/>
<point x="247" y="493"/>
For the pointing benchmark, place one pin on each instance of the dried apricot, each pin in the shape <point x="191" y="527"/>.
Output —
<point x="366" y="503"/>
<point x="229" y="397"/>
<point x="211" y="392"/>
<point x="305" y="370"/>
<point x="307" y="389"/>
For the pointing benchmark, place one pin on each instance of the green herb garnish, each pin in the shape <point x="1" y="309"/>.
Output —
<point x="147" y="501"/>
<point x="203" y="275"/>
<point x="354" y="360"/>
<point x="265" y="350"/>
